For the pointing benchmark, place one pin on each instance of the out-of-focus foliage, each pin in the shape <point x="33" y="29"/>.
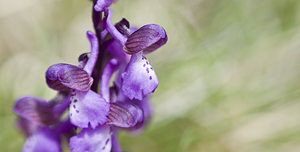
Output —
<point x="229" y="74"/>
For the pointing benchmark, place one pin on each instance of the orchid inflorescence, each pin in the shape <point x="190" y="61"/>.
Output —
<point x="90" y="108"/>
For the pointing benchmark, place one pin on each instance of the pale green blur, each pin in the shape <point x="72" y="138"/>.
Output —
<point x="229" y="74"/>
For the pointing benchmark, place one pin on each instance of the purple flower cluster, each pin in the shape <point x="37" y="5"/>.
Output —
<point x="90" y="108"/>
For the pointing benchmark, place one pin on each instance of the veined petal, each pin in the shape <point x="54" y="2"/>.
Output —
<point x="101" y="5"/>
<point x="88" y="108"/>
<point x="64" y="77"/>
<point x="147" y="38"/>
<point x="43" y="140"/>
<point x="92" y="140"/>
<point x="36" y="110"/>
<point x="139" y="78"/>
<point x="124" y="114"/>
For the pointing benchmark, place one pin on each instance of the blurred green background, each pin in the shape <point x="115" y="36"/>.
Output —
<point x="229" y="74"/>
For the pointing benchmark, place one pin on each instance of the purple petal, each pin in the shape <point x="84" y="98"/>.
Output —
<point x="112" y="29"/>
<point x="43" y="140"/>
<point x="144" y="105"/>
<point x="36" y="110"/>
<point x="26" y="126"/>
<point x="64" y="77"/>
<point x="116" y="50"/>
<point x="139" y="78"/>
<point x="147" y="110"/>
<point x="88" y="108"/>
<point x="89" y="67"/>
<point x="65" y="127"/>
<point x="124" y="114"/>
<point x="92" y="140"/>
<point x="101" y="5"/>
<point x="147" y="38"/>
<point x="108" y="71"/>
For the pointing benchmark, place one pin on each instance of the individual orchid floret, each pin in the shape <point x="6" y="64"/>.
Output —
<point x="87" y="107"/>
<point x="139" y="79"/>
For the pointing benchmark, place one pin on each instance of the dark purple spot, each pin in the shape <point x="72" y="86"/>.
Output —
<point x="147" y="62"/>
<point x="147" y="70"/>
<point x="144" y="65"/>
<point x="151" y="68"/>
<point x="103" y="147"/>
<point x="150" y="77"/>
<point x="71" y="114"/>
<point x="77" y="111"/>
<point x="106" y="142"/>
<point x="74" y="106"/>
<point x="75" y="100"/>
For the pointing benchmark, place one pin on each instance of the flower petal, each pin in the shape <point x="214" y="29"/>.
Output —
<point x="26" y="126"/>
<point x="64" y="77"/>
<point x="36" y="110"/>
<point x="147" y="111"/>
<point x="88" y="108"/>
<point x="147" y="38"/>
<point x="101" y="5"/>
<point x="139" y="78"/>
<point x="124" y="114"/>
<point x="116" y="50"/>
<point x="92" y="140"/>
<point x="43" y="140"/>
<point x="89" y="66"/>
<point x="108" y="71"/>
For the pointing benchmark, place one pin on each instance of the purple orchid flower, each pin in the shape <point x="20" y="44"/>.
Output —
<point x="87" y="107"/>
<point x="35" y="116"/>
<point x="138" y="78"/>
<point x="100" y="114"/>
